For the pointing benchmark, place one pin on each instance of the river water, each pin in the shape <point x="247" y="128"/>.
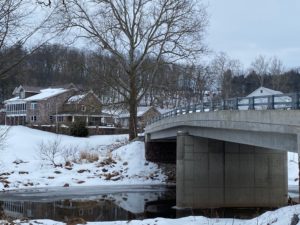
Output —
<point x="102" y="203"/>
<point x="106" y="203"/>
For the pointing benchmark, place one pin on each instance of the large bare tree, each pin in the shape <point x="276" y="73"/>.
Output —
<point x="134" y="32"/>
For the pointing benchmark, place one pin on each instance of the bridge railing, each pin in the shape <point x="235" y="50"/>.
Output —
<point x="266" y="102"/>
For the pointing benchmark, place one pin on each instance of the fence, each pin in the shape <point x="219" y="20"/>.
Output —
<point x="267" y="102"/>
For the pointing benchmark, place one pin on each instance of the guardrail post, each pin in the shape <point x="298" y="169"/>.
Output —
<point x="295" y="101"/>
<point x="194" y="108"/>
<point x="236" y="105"/>
<point x="271" y="102"/>
<point x="211" y="107"/>
<point x="251" y="103"/>
<point x="224" y="106"/>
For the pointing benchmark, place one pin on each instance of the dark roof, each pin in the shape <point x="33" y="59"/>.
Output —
<point x="32" y="89"/>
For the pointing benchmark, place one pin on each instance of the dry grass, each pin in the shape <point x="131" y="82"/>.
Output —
<point x="89" y="156"/>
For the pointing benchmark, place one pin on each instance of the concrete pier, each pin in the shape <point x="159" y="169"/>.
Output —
<point x="212" y="173"/>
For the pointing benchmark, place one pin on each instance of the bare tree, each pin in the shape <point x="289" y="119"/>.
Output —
<point x="260" y="66"/>
<point x="132" y="32"/>
<point x="224" y="68"/>
<point x="276" y="69"/>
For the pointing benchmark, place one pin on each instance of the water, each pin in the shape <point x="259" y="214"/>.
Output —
<point x="106" y="203"/>
<point x="91" y="204"/>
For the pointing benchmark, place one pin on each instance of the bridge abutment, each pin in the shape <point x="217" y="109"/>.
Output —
<point x="212" y="173"/>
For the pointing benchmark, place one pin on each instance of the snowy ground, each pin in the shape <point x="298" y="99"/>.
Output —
<point x="22" y="166"/>
<point x="283" y="216"/>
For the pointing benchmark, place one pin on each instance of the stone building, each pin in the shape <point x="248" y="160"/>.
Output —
<point x="46" y="106"/>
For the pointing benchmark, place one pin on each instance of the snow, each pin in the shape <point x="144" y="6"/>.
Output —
<point x="46" y="93"/>
<point x="22" y="163"/>
<point x="140" y="111"/>
<point x="263" y="91"/>
<point x="75" y="98"/>
<point x="282" y="216"/>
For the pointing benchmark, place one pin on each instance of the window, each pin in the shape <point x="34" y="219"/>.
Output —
<point x="60" y="118"/>
<point x="51" y="119"/>
<point x="33" y="105"/>
<point x="83" y="108"/>
<point x="33" y="118"/>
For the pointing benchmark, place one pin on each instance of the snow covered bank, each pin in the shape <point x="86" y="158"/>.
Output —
<point x="283" y="216"/>
<point x="22" y="166"/>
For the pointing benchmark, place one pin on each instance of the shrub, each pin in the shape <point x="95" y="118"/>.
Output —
<point x="78" y="129"/>
<point x="89" y="156"/>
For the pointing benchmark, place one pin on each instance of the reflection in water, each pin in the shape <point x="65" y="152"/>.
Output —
<point x="114" y="206"/>
<point x="110" y="207"/>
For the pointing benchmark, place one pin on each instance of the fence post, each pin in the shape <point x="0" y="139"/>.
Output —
<point x="223" y="104"/>
<point x="295" y="101"/>
<point x="236" y="107"/>
<point x="271" y="102"/>
<point x="251" y="103"/>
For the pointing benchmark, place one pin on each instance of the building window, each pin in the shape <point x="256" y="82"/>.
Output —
<point x="60" y="118"/>
<point x="83" y="108"/>
<point x="33" y="118"/>
<point x="33" y="105"/>
<point x="51" y="119"/>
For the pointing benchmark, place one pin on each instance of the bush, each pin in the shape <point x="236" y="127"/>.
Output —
<point x="89" y="156"/>
<point x="78" y="129"/>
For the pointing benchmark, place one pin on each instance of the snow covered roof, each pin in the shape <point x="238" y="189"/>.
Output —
<point x="15" y="100"/>
<point x="162" y="111"/>
<point x="46" y="93"/>
<point x="263" y="91"/>
<point x="140" y="111"/>
<point x="75" y="98"/>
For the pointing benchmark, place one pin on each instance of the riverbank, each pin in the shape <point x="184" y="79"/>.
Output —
<point x="284" y="216"/>
<point x="33" y="158"/>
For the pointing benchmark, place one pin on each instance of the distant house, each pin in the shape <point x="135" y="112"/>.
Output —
<point x="43" y="106"/>
<point x="261" y="95"/>
<point x="263" y="91"/>
<point x="84" y="106"/>
<point x="144" y="114"/>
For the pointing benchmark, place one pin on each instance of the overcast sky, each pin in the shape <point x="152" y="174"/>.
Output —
<point x="245" y="29"/>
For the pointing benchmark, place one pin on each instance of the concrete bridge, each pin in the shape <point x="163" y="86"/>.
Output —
<point x="227" y="158"/>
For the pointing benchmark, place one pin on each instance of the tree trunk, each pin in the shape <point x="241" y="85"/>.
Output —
<point x="133" y="109"/>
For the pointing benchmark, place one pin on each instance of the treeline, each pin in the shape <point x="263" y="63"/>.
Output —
<point x="174" y="85"/>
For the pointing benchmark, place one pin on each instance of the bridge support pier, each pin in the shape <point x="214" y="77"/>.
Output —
<point x="212" y="174"/>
